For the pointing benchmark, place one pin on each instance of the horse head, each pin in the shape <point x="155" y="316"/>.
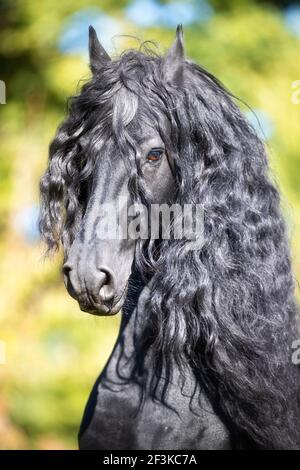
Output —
<point x="150" y="129"/>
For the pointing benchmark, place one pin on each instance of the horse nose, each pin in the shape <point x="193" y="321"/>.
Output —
<point x="107" y="285"/>
<point x="70" y="281"/>
<point x="104" y="282"/>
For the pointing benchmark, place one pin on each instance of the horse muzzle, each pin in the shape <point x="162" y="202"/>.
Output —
<point x="95" y="289"/>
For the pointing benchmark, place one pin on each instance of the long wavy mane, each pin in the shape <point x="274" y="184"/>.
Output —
<point x="227" y="309"/>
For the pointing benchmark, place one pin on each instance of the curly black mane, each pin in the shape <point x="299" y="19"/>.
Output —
<point x="228" y="309"/>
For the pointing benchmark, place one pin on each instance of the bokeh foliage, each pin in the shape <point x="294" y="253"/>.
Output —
<point x="54" y="351"/>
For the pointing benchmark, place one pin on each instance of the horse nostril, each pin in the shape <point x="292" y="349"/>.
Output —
<point x="70" y="281"/>
<point x="108" y="284"/>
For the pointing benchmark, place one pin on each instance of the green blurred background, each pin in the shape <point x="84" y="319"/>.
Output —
<point x="54" y="352"/>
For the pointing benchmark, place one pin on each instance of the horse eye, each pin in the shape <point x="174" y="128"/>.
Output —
<point x="154" y="155"/>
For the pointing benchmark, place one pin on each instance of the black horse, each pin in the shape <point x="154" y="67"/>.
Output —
<point x="204" y="355"/>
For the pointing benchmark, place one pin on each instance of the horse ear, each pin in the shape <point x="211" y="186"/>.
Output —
<point x="174" y="59"/>
<point x="98" y="55"/>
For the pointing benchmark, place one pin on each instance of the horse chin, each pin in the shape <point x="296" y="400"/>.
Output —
<point x="103" y="310"/>
<point x="100" y="311"/>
